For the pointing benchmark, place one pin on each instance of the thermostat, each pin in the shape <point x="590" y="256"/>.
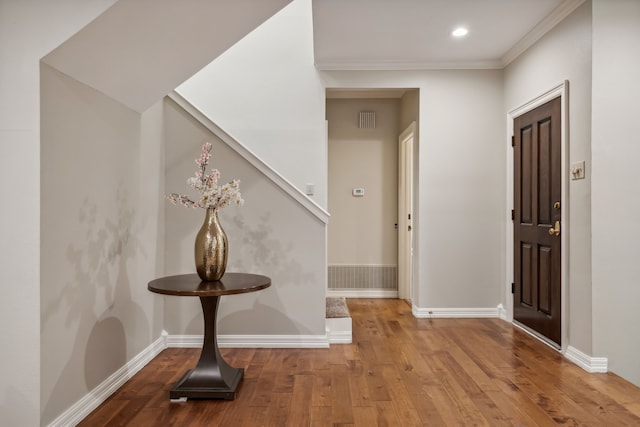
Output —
<point x="357" y="192"/>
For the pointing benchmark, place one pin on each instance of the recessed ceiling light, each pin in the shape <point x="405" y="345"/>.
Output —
<point x="460" y="32"/>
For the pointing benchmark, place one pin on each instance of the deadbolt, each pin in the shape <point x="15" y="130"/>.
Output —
<point x="556" y="205"/>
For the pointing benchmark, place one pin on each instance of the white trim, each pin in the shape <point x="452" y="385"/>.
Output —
<point x="339" y="330"/>
<point x="340" y="337"/>
<point x="406" y="65"/>
<point x="453" y="313"/>
<point x="185" y="341"/>
<point x="406" y="243"/>
<point x="561" y="90"/>
<point x="83" y="407"/>
<point x="586" y="362"/>
<point x="252" y="341"/>
<point x="249" y="156"/>
<point x="543" y="27"/>
<point x="502" y="312"/>
<point x="363" y="293"/>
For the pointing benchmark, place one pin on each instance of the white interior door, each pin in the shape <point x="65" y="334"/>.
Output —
<point x="405" y="213"/>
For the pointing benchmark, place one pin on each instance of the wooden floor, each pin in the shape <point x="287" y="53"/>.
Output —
<point x="399" y="371"/>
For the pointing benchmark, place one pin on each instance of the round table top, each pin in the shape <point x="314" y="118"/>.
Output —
<point x="192" y="285"/>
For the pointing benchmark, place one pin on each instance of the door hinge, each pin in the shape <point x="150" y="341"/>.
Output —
<point x="513" y="288"/>
<point x="513" y="214"/>
<point x="513" y="140"/>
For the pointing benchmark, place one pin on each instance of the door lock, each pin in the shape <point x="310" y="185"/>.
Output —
<point x="555" y="231"/>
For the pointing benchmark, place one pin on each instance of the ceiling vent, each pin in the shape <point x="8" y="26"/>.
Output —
<point x="367" y="120"/>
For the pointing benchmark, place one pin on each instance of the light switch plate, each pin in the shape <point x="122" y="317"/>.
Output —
<point x="577" y="170"/>
<point x="311" y="190"/>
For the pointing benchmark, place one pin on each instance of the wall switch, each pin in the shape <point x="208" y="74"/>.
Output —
<point x="357" y="192"/>
<point x="311" y="190"/>
<point x="577" y="170"/>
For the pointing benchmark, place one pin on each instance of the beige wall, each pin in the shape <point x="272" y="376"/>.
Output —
<point x="361" y="229"/>
<point x="100" y="230"/>
<point x="29" y="29"/>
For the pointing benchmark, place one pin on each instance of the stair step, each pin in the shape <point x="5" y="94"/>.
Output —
<point x="337" y="308"/>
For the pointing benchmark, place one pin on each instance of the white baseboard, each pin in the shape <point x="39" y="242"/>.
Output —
<point x="502" y="312"/>
<point x="363" y="293"/>
<point x="340" y="337"/>
<point x="339" y="330"/>
<point x="252" y="341"/>
<point x="453" y="313"/>
<point x="98" y="395"/>
<point x="586" y="362"/>
<point x="185" y="341"/>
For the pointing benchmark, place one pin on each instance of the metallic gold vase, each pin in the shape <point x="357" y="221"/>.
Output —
<point x="211" y="248"/>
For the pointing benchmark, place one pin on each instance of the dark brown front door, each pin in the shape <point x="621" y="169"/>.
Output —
<point x="537" y="227"/>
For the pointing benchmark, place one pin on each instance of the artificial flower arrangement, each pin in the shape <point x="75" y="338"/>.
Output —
<point x="212" y="195"/>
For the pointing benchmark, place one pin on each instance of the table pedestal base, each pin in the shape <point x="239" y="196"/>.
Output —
<point x="212" y="378"/>
<point x="201" y="390"/>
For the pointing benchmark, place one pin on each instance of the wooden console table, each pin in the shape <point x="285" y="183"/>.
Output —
<point x="212" y="378"/>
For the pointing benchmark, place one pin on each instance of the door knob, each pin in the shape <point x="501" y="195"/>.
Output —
<point x="555" y="231"/>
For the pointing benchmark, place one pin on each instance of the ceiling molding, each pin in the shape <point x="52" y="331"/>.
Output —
<point x="546" y="25"/>
<point x="406" y="66"/>
<point x="362" y="93"/>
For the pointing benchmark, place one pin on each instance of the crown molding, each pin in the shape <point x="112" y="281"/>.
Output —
<point x="406" y="65"/>
<point x="360" y="93"/>
<point x="543" y="27"/>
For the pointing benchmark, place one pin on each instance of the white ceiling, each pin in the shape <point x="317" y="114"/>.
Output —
<point x="416" y="34"/>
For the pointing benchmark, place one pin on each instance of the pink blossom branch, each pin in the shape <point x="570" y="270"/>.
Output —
<point x="211" y="195"/>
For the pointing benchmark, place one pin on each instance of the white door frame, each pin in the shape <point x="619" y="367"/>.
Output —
<point x="561" y="90"/>
<point x="406" y="143"/>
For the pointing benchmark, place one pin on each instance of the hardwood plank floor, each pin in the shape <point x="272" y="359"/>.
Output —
<point x="399" y="371"/>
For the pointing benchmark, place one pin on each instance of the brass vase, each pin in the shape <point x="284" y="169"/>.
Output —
<point x="211" y="248"/>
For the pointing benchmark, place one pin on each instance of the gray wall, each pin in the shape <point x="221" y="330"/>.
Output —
<point x="616" y="188"/>
<point x="265" y="91"/>
<point x="565" y="54"/>
<point x="271" y="235"/>
<point x="461" y="183"/>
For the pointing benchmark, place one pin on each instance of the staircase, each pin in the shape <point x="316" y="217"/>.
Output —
<point x="339" y="327"/>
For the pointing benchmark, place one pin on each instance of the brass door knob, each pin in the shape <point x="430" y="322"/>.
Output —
<point x="555" y="230"/>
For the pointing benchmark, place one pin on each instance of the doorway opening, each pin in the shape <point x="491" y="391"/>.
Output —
<point x="371" y="137"/>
